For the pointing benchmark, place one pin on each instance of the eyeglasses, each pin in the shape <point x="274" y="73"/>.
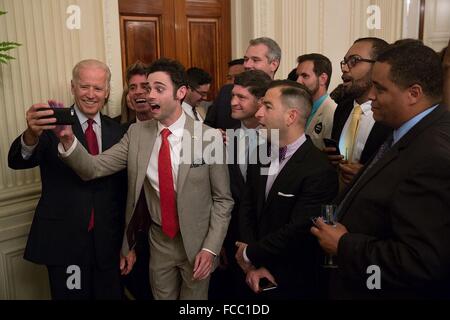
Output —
<point x="203" y="94"/>
<point x="354" y="60"/>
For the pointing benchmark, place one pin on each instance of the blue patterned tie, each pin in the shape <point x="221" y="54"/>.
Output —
<point x="381" y="152"/>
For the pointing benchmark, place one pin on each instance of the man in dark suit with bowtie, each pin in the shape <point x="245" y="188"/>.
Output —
<point x="393" y="235"/>
<point x="282" y="196"/>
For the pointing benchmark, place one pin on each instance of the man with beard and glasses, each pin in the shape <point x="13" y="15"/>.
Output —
<point x="354" y="128"/>
<point x="314" y="72"/>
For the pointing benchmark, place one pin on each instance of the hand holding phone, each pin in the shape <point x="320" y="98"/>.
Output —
<point x="64" y="116"/>
<point x="265" y="284"/>
<point x="330" y="143"/>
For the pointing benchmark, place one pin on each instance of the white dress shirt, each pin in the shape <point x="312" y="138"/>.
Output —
<point x="188" y="109"/>
<point x="366" y="123"/>
<point x="175" y="140"/>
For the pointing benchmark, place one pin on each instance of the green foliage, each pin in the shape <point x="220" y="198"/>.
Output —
<point x="5" y="47"/>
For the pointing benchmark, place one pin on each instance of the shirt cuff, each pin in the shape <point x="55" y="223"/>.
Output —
<point x="63" y="153"/>
<point x="207" y="250"/>
<point x="27" y="151"/>
<point x="244" y="253"/>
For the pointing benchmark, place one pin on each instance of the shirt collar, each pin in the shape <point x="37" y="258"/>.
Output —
<point x="186" y="105"/>
<point x="319" y="102"/>
<point x="365" y="107"/>
<point x="408" y="125"/>
<point x="176" y="128"/>
<point x="83" y="119"/>
<point x="292" y="148"/>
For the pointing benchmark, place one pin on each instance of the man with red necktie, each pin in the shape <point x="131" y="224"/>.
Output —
<point x="78" y="226"/>
<point x="187" y="192"/>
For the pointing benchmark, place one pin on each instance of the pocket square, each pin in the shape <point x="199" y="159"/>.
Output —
<point x="285" y="195"/>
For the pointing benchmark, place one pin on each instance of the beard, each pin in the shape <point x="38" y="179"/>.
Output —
<point x="358" y="87"/>
<point x="313" y="90"/>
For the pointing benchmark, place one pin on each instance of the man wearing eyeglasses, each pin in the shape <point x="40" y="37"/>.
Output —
<point x="354" y="128"/>
<point x="199" y="82"/>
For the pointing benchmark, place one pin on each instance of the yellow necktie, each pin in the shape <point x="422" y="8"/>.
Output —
<point x="350" y="137"/>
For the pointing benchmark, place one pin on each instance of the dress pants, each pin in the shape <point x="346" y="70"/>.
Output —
<point x="96" y="283"/>
<point x="170" y="270"/>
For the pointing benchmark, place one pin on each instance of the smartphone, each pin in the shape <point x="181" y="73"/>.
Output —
<point x="64" y="116"/>
<point x="330" y="143"/>
<point x="265" y="284"/>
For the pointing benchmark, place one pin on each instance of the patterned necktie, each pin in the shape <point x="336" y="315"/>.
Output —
<point x="194" y="111"/>
<point x="92" y="144"/>
<point x="282" y="153"/>
<point x="167" y="200"/>
<point x="350" y="136"/>
<point x="381" y="151"/>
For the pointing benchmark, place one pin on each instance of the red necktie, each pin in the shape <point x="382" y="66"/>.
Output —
<point x="92" y="143"/>
<point x="169" y="220"/>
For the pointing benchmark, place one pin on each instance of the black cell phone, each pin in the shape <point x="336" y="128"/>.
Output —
<point x="265" y="284"/>
<point x="330" y="143"/>
<point x="64" y="116"/>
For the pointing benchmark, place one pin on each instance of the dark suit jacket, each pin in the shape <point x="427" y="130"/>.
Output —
<point x="398" y="218"/>
<point x="58" y="234"/>
<point x="277" y="229"/>
<point x="237" y="187"/>
<point x="219" y="113"/>
<point x="376" y="137"/>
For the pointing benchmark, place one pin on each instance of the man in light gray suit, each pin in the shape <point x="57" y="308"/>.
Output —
<point x="187" y="193"/>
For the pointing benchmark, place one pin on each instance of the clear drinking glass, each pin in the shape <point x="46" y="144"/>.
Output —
<point x="328" y="214"/>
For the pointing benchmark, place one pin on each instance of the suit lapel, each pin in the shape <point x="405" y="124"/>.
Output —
<point x="107" y="134"/>
<point x="288" y="169"/>
<point x="391" y="155"/>
<point x="147" y="137"/>
<point x="183" y="168"/>
<point x="78" y="132"/>
<point x="262" y="189"/>
<point x="341" y="115"/>
<point x="365" y="177"/>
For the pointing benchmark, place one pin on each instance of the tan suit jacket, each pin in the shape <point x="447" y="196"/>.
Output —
<point x="204" y="201"/>
<point x="322" y="123"/>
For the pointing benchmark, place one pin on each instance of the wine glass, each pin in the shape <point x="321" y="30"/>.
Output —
<point x="328" y="214"/>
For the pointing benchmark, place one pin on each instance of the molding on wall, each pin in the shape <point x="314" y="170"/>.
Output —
<point x="264" y="18"/>
<point x="113" y="54"/>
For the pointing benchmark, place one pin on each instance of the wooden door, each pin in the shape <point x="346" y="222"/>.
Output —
<point x="195" y="32"/>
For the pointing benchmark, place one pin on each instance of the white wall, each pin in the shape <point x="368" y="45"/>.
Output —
<point x="437" y="24"/>
<point x="305" y="26"/>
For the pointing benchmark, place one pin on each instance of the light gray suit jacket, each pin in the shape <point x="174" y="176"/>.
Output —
<point x="204" y="200"/>
<point x="321" y="124"/>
